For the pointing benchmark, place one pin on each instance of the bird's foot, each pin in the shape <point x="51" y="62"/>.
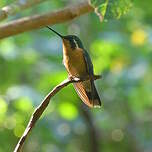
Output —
<point x="70" y="77"/>
<point x="83" y="78"/>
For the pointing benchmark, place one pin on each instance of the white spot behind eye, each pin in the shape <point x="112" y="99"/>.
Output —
<point x="76" y="43"/>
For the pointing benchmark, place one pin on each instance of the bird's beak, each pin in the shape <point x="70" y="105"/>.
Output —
<point x="61" y="36"/>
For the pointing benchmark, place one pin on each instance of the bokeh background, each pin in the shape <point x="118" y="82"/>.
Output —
<point x="31" y="65"/>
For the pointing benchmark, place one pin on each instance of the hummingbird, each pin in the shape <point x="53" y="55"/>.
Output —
<point x="78" y="64"/>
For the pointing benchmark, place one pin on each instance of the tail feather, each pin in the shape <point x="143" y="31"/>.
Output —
<point x="88" y="93"/>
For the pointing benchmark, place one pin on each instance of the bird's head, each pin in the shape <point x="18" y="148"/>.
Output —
<point x="71" y="41"/>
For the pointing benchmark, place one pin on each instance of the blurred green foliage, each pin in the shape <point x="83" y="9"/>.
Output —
<point x="31" y="65"/>
<point x="112" y="8"/>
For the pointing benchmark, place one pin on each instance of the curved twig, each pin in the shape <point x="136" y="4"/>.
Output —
<point x="40" y="109"/>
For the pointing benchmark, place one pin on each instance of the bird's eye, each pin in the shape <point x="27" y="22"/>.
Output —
<point x="72" y="44"/>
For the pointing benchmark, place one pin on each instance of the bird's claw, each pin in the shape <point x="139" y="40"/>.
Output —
<point x="74" y="78"/>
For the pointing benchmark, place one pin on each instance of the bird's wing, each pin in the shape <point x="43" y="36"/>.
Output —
<point x="90" y="71"/>
<point x="88" y="62"/>
<point x="86" y="90"/>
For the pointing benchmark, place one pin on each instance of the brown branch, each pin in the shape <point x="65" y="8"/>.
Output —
<point x="92" y="130"/>
<point x="16" y="7"/>
<point x="40" y="109"/>
<point x="38" y="21"/>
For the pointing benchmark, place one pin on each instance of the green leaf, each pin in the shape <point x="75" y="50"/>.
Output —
<point x="3" y="107"/>
<point x="111" y="8"/>
<point x="118" y="8"/>
<point x="23" y="104"/>
<point x="3" y="110"/>
<point x="102" y="8"/>
<point x="18" y="130"/>
<point x="68" y="111"/>
<point x="102" y="51"/>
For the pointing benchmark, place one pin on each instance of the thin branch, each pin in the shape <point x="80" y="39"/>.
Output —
<point x="38" y="21"/>
<point x="92" y="130"/>
<point x="17" y="6"/>
<point x="40" y="109"/>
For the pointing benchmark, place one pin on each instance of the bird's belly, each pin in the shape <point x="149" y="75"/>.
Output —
<point x="75" y="64"/>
